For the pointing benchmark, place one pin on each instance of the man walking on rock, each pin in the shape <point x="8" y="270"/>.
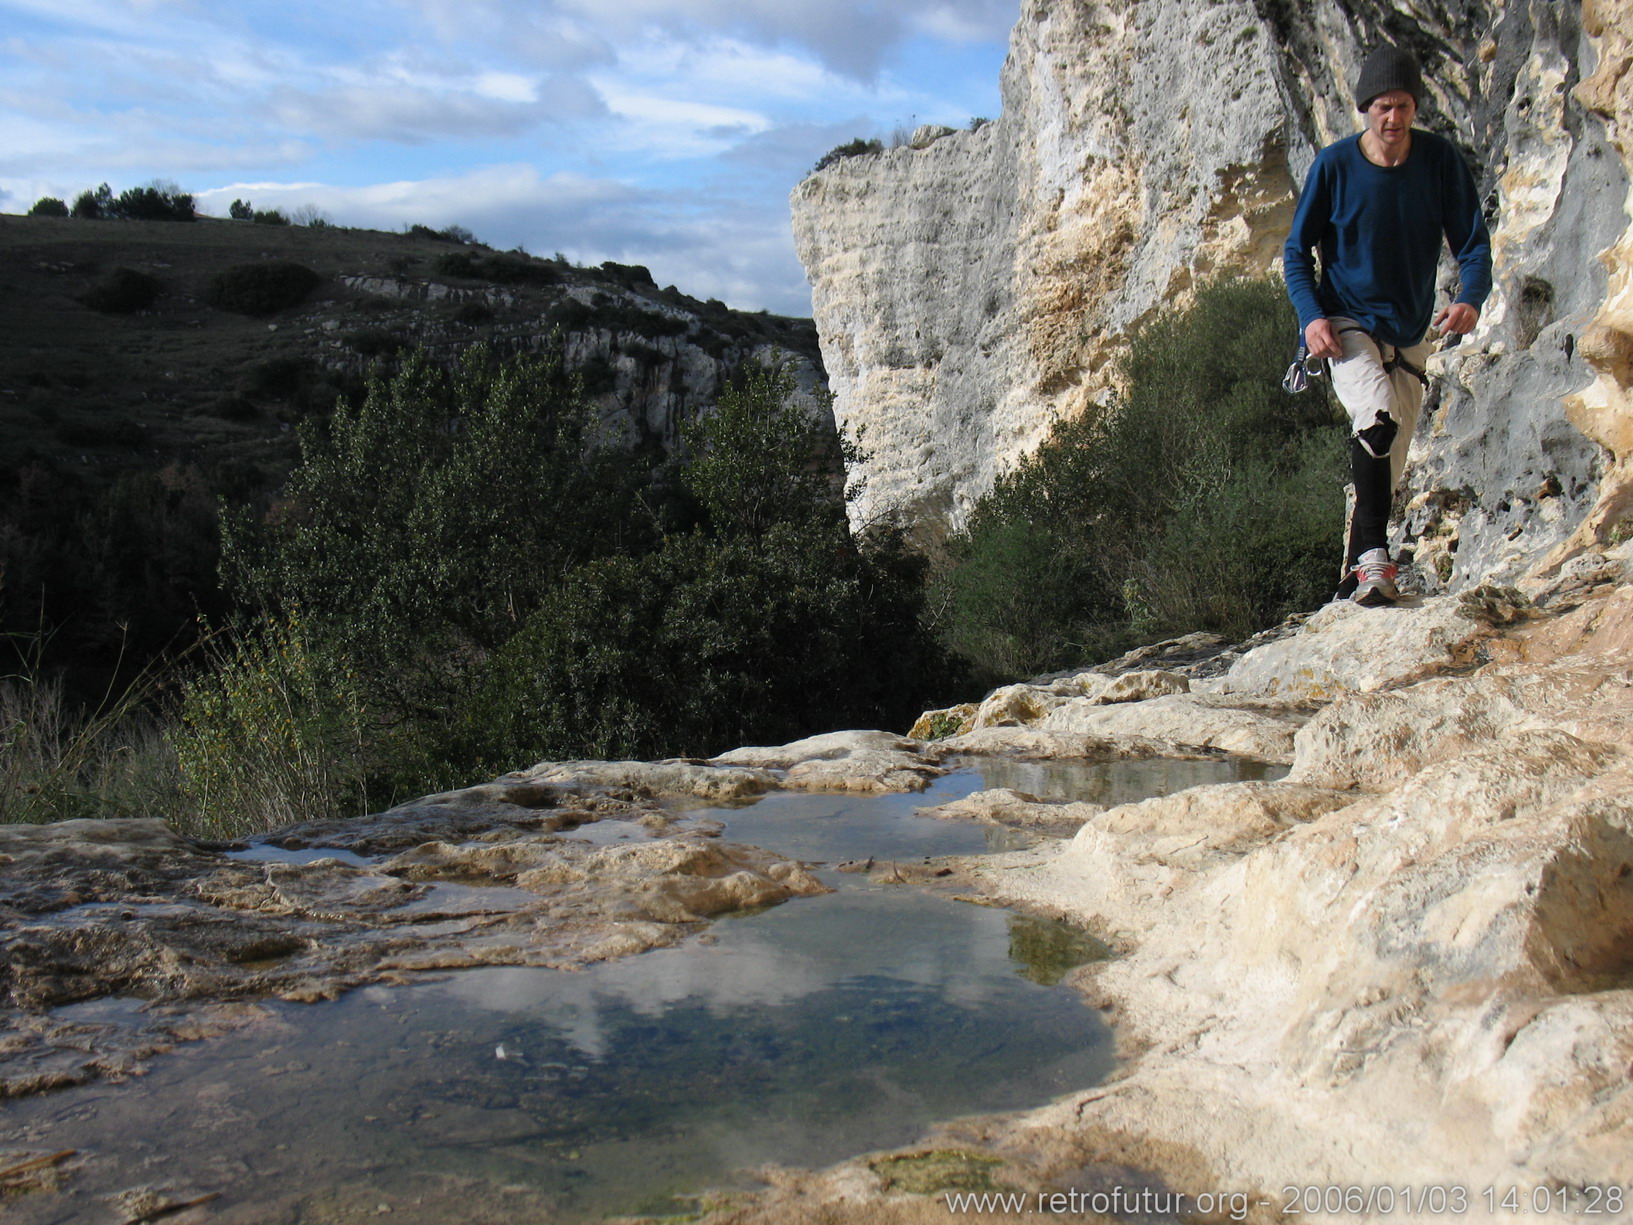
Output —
<point x="1377" y="206"/>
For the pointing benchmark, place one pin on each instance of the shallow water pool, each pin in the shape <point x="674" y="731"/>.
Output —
<point x="800" y="1035"/>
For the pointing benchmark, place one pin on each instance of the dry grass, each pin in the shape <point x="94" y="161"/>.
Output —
<point x="58" y="764"/>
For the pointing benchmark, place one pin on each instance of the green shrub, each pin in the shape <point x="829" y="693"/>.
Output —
<point x="270" y="734"/>
<point x="281" y="378"/>
<point x="1016" y="600"/>
<point x="452" y="583"/>
<point x="855" y="148"/>
<point x="261" y="289"/>
<point x="450" y="233"/>
<point x="611" y="314"/>
<point x="770" y="623"/>
<point x="269" y="216"/>
<point x="597" y="375"/>
<point x="241" y="210"/>
<point x="413" y="579"/>
<point x="628" y="276"/>
<point x="122" y="292"/>
<point x="708" y="644"/>
<point x="498" y="268"/>
<point x="48" y="206"/>
<point x="473" y="313"/>
<point x="760" y="458"/>
<point x="1203" y="498"/>
<point x="376" y="342"/>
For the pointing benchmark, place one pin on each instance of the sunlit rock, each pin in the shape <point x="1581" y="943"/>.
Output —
<point x="1006" y="806"/>
<point x="1185" y="721"/>
<point x="1346" y="648"/>
<point x="842" y="761"/>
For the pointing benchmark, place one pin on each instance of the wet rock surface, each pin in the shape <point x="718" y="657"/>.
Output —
<point x="1405" y="963"/>
<point x="1432" y="910"/>
<point x="194" y="933"/>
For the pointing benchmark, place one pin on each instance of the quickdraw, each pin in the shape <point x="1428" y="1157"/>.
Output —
<point x="1303" y="369"/>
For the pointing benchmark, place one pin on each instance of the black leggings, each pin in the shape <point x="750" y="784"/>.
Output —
<point x="1374" y="491"/>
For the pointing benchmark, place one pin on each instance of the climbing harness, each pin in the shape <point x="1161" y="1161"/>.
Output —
<point x="1305" y="367"/>
<point x="1392" y="363"/>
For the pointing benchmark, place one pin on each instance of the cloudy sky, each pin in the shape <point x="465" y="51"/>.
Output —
<point x="660" y="132"/>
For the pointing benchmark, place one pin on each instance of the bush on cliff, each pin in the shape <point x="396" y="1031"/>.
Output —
<point x="1203" y="498"/>
<point x="860" y="147"/>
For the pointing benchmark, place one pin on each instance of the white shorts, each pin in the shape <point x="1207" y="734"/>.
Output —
<point x="1366" y="389"/>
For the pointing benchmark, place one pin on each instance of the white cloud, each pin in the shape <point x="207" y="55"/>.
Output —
<point x="506" y="87"/>
<point x="968" y="20"/>
<point x="673" y="127"/>
<point x="397" y="113"/>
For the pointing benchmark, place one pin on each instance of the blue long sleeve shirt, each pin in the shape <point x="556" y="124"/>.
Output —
<point x="1379" y="230"/>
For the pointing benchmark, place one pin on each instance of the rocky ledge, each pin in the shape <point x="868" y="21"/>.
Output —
<point x="1407" y="963"/>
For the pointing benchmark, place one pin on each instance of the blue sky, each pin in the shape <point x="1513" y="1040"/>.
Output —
<point x="662" y="132"/>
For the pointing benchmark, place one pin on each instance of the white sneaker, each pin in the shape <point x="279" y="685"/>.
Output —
<point x="1375" y="579"/>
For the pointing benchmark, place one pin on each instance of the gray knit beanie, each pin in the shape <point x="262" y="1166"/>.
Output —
<point x="1385" y="69"/>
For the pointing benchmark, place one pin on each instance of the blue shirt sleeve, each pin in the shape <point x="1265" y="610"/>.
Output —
<point x="1298" y="264"/>
<point x="1467" y="233"/>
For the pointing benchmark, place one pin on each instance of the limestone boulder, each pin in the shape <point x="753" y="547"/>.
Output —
<point x="949" y="721"/>
<point x="1345" y="648"/>
<point x="867" y="761"/>
<point x="1139" y="686"/>
<point x="1433" y="910"/>
<point x="1377" y="740"/>
<point x="1018" y="809"/>
<point x="1183" y="722"/>
<point x="717" y="780"/>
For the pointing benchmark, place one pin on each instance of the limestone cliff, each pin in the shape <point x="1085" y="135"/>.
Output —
<point x="970" y="291"/>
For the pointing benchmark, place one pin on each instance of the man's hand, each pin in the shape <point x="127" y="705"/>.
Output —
<point x="1322" y="341"/>
<point x="1459" y="317"/>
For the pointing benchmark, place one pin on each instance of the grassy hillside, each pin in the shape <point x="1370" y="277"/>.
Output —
<point x="182" y="379"/>
<point x="133" y="398"/>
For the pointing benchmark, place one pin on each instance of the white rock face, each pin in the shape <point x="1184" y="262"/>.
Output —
<point x="971" y="291"/>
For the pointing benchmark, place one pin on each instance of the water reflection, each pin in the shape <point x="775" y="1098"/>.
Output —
<point x="811" y="1031"/>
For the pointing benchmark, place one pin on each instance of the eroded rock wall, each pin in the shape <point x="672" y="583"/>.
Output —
<point x="971" y="292"/>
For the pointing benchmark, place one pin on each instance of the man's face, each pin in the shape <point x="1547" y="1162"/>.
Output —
<point x="1389" y="118"/>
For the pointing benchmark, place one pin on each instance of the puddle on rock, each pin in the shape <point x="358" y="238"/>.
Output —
<point x="799" y="1035"/>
